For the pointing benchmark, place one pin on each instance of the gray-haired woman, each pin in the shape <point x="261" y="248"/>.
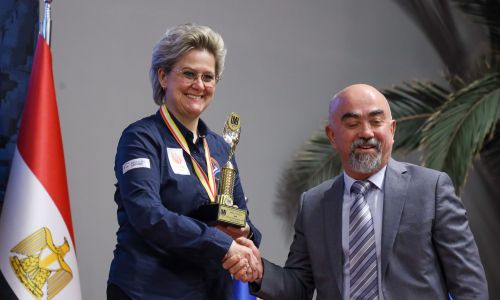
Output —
<point x="166" y="165"/>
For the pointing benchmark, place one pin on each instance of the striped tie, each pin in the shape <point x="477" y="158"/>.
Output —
<point x="362" y="251"/>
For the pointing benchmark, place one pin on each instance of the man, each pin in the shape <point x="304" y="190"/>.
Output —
<point x="381" y="230"/>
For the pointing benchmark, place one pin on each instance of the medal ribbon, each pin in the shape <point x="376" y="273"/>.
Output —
<point x="208" y="182"/>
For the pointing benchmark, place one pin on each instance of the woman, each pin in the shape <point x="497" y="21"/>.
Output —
<point x="166" y="165"/>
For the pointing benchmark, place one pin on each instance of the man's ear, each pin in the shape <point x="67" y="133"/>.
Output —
<point x="162" y="77"/>
<point x="331" y="136"/>
<point x="393" y="129"/>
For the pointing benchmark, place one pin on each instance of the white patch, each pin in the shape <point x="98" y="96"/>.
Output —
<point x="136" y="163"/>
<point x="177" y="162"/>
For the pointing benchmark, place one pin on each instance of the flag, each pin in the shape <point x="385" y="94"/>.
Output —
<point x="241" y="291"/>
<point x="37" y="245"/>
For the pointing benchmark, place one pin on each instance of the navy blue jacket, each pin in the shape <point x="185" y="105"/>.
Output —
<point x="161" y="253"/>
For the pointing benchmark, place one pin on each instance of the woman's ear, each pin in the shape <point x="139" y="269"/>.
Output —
<point x="162" y="78"/>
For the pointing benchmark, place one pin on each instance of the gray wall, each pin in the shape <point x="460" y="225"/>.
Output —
<point x="286" y="58"/>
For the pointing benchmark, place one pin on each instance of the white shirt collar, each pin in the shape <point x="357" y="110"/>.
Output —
<point x="376" y="179"/>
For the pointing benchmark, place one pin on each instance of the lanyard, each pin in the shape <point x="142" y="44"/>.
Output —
<point x="208" y="182"/>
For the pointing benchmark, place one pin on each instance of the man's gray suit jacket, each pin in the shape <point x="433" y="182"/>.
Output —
<point x="427" y="247"/>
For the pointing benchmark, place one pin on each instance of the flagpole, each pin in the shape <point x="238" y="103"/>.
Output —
<point x="47" y="22"/>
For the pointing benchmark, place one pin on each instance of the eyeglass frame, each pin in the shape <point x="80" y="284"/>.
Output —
<point x="199" y="75"/>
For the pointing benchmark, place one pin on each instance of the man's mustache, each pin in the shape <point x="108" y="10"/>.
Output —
<point x="366" y="142"/>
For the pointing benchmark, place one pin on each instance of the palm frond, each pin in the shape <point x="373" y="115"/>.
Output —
<point x="452" y="129"/>
<point x="314" y="162"/>
<point x="487" y="13"/>
<point x="435" y="20"/>
<point x="455" y="134"/>
<point x="490" y="154"/>
<point x="412" y="103"/>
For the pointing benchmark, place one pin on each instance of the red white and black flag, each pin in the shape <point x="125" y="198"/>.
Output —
<point x="37" y="245"/>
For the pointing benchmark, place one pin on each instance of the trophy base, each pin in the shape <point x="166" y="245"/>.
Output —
<point x="214" y="214"/>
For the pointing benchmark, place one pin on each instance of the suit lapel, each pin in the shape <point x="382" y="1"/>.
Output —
<point x="395" y="190"/>
<point x="332" y="216"/>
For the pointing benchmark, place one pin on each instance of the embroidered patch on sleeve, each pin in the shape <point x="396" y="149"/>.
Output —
<point x="136" y="163"/>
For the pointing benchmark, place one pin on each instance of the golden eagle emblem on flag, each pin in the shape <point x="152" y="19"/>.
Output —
<point x="41" y="263"/>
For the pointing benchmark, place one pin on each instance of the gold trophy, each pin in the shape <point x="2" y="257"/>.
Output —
<point x="223" y="211"/>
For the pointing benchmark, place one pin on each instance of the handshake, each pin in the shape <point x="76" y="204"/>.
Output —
<point x="242" y="259"/>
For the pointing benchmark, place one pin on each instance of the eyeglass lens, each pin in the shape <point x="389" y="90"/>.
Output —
<point x="191" y="75"/>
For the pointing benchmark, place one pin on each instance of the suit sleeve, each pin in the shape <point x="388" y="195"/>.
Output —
<point x="455" y="245"/>
<point x="294" y="281"/>
<point x="140" y="197"/>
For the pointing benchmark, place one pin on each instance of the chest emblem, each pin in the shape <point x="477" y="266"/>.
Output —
<point x="177" y="161"/>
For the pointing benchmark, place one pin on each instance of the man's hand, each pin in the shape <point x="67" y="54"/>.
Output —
<point x="257" y="268"/>
<point x="243" y="261"/>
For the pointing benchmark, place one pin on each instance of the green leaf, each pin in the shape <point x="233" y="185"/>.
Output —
<point x="455" y="134"/>
<point x="412" y="103"/>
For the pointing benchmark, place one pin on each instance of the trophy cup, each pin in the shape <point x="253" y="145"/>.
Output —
<point x="223" y="211"/>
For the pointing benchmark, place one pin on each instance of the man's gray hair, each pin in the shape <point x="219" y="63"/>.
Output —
<point x="175" y="43"/>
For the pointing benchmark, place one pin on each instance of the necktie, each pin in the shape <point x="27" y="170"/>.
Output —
<point x="362" y="251"/>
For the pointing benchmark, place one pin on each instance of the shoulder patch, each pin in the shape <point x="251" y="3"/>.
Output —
<point x="136" y="163"/>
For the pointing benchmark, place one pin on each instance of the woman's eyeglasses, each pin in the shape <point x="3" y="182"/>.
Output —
<point x="191" y="76"/>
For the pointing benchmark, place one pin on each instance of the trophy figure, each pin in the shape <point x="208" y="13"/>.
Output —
<point x="223" y="211"/>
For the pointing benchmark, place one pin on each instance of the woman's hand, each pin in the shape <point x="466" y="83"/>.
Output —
<point x="243" y="261"/>
<point x="235" y="232"/>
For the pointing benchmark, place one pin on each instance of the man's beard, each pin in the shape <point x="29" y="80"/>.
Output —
<point x="365" y="163"/>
